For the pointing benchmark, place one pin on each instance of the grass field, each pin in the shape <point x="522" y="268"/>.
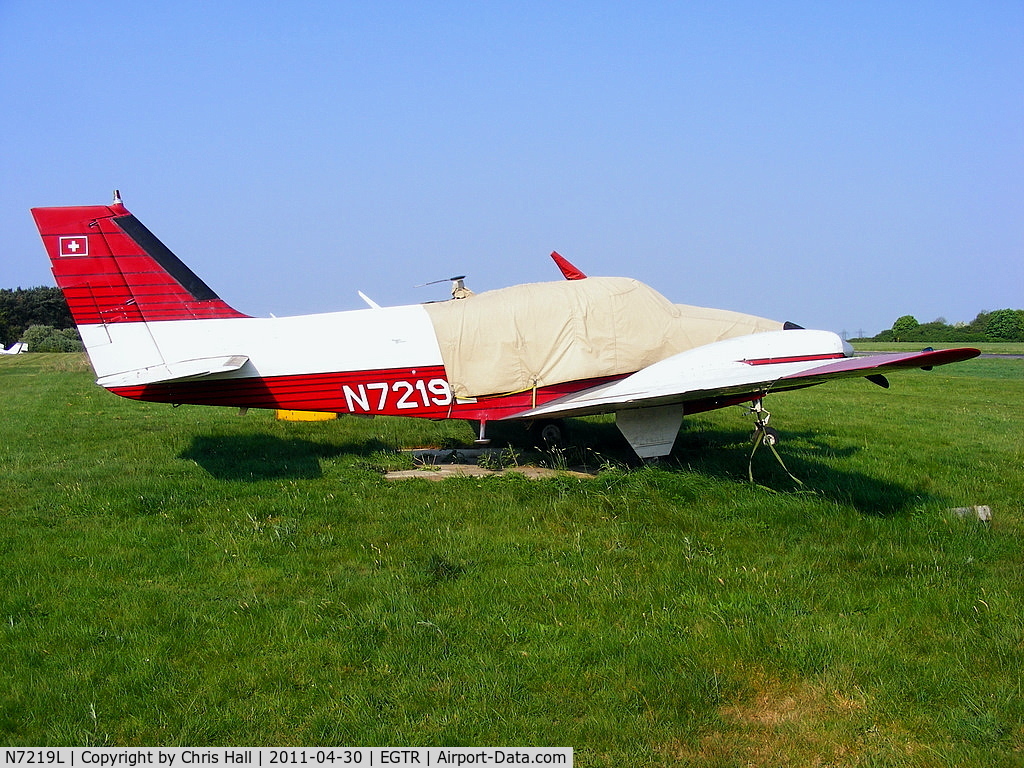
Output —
<point x="191" y="577"/>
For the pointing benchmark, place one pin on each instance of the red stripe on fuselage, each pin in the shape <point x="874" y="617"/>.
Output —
<point x="416" y="392"/>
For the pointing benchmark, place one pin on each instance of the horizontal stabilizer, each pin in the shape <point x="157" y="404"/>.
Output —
<point x="183" y="369"/>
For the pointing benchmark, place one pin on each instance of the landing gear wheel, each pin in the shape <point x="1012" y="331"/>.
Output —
<point x="551" y="433"/>
<point x="765" y="435"/>
<point x="762" y="432"/>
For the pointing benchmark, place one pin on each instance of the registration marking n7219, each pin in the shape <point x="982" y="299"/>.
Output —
<point x="401" y="395"/>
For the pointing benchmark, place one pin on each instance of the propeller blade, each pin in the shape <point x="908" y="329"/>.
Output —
<point x="442" y="280"/>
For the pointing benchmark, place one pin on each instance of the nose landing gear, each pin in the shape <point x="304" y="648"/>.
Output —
<point x="762" y="432"/>
<point x="765" y="435"/>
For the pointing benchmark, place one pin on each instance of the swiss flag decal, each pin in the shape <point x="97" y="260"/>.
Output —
<point x="74" y="245"/>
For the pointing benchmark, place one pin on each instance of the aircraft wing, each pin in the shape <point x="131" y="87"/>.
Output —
<point x="736" y="370"/>
<point x="866" y="364"/>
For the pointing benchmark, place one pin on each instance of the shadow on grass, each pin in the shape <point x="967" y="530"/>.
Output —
<point x="713" y="452"/>
<point x="266" y="457"/>
<point x="808" y="457"/>
<point x="725" y="454"/>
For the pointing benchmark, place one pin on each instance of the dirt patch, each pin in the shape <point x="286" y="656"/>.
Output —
<point x="778" y="703"/>
<point x="439" y="464"/>
<point x="443" y="471"/>
<point x="782" y="724"/>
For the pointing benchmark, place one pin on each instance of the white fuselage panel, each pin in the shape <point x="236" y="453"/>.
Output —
<point x="368" y="339"/>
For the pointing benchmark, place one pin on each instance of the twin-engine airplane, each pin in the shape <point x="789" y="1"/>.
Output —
<point x="538" y="352"/>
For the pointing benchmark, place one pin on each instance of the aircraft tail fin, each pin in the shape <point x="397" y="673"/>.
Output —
<point x="112" y="269"/>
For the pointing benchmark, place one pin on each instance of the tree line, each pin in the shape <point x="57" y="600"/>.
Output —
<point x="1000" y="325"/>
<point x="38" y="316"/>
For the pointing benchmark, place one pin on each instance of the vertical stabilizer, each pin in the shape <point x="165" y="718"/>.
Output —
<point x="119" y="279"/>
<point x="114" y="270"/>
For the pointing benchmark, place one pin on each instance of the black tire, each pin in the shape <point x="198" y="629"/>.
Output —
<point x="549" y="433"/>
<point x="769" y="436"/>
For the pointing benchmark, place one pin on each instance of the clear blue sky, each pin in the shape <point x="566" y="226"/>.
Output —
<point x="833" y="164"/>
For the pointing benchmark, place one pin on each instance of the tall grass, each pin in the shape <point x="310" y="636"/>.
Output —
<point x="188" y="576"/>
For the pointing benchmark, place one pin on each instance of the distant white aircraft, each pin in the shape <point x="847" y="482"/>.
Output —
<point x="538" y="352"/>
<point x="15" y="349"/>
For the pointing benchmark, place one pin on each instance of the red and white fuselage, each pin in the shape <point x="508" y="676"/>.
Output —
<point x="155" y="331"/>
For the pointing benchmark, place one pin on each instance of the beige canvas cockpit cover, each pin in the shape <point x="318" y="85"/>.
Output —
<point x="538" y="334"/>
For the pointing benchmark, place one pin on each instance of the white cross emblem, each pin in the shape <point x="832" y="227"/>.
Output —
<point x="77" y="245"/>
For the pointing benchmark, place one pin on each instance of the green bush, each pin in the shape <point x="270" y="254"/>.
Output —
<point x="1000" y="325"/>
<point x="1006" y="325"/>
<point x="21" y="308"/>
<point x="46" y="338"/>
